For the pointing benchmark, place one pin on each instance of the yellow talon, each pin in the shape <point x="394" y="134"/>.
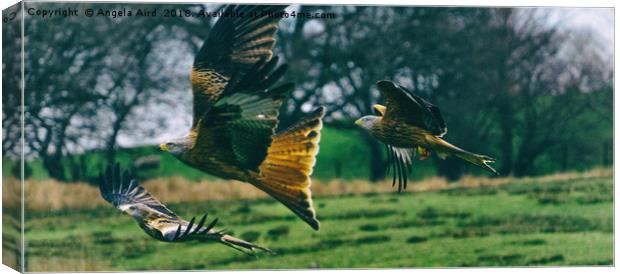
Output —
<point x="424" y="153"/>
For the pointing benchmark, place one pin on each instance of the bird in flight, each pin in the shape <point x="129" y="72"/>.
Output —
<point x="156" y="219"/>
<point x="408" y="123"/>
<point x="235" y="113"/>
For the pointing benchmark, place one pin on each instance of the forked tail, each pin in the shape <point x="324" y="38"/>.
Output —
<point x="482" y="161"/>
<point x="241" y="245"/>
<point x="285" y="173"/>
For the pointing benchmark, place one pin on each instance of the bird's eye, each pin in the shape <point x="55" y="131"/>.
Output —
<point x="169" y="144"/>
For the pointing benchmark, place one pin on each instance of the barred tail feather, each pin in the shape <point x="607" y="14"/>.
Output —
<point x="285" y="173"/>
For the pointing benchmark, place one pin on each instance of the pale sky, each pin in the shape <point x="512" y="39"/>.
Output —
<point x="597" y="21"/>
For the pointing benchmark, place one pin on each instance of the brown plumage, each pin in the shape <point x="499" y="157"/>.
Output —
<point x="159" y="222"/>
<point x="236" y="103"/>
<point x="408" y="123"/>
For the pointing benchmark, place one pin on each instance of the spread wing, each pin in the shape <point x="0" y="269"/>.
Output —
<point x="238" y="128"/>
<point x="122" y="191"/>
<point x="234" y="45"/>
<point x="400" y="161"/>
<point x="404" y="106"/>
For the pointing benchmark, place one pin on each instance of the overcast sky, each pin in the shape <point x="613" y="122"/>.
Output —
<point x="597" y="21"/>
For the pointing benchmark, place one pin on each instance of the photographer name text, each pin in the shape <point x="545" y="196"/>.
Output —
<point x="169" y="13"/>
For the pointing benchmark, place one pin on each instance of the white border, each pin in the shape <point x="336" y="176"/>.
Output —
<point x="474" y="3"/>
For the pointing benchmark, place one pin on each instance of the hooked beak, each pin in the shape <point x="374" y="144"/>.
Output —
<point x="358" y="122"/>
<point x="164" y="147"/>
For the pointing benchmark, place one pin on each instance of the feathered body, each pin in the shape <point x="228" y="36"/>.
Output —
<point x="235" y="113"/>
<point x="401" y="135"/>
<point x="408" y="123"/>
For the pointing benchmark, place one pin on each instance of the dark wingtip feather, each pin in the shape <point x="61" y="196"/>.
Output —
<point x="189" y="226"/>
<point x="400" y="175"/>
<point x="177" y="234"/>
<point x="212" y="224"/>
<point x="404" y="176"/>
<point x="116" y="173"/>
<point x="125" y="177"/>
<point x="394" y="167"/>
<point x="201" y="223"/>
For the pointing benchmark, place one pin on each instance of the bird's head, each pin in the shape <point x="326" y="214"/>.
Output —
<point x="367" y="122"/>
<point x="176" y="146"/>
<point x="134" y="211"/>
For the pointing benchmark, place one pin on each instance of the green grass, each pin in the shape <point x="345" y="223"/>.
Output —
<point x="509" y="225"/>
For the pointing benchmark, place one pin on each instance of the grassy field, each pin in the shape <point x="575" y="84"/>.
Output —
<point x="561" y="220"/>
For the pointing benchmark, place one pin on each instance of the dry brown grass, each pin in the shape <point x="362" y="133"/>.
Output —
<point x="63" y="264"/>
<point x="52" y="195"/>
<point x="177" y="189"/>
<point x="48" y="195"/>
<point x="11" y="193"/>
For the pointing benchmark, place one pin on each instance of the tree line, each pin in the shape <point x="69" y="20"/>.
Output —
<point x="510" y="85"/>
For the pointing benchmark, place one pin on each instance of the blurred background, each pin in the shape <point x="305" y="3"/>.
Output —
<point x="531" y="87"/>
